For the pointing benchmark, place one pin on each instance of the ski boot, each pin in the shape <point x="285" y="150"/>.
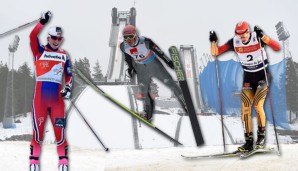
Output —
<point x="63" y="167"/>
<point x="260" y="143"/>
<point x="34" y="167"/>
<point x="145" y="115"/>
<point x="249" y="143"/>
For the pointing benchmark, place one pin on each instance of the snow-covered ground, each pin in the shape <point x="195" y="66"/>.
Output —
<point x="14" y="157"/>
<point x="114" y="127"/>
<point x="21" y="128"/>
<point x="170" y="159"/>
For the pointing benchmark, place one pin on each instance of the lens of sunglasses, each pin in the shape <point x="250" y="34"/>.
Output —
<point x="56" y="38"/>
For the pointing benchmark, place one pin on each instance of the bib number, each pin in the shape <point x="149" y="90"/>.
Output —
<point x="250" y="57"/>
<point x="139" y="56"/>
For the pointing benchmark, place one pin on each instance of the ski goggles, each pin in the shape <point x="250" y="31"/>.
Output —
<point x="130" y="36"/>
<point x="56" y="38"/>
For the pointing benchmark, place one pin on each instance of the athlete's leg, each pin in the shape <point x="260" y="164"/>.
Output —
<point x="144" y="86"/>
<point x="247" y="96"/>
<point x="39" y="117"/>
<point x="59" y="124"/>
<point x="246" y="100"/>
<point x="259" y="100"/>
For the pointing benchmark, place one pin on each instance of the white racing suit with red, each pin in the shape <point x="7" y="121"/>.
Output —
<point x="142" y="59"/>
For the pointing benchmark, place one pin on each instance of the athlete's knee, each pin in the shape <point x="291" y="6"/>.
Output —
<point x="59" y="129"/>
<point x="246" y="113"/>
<point x="143" y="89"/>
<point x="246" y="104"/>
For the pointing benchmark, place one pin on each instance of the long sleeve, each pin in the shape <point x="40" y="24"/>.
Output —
<point x="216" y="51"/>
<point x="271" y="43"/>
<point x="128" y="59"/>
<point x="36" y="48"/>
<point x="152" y="46"/>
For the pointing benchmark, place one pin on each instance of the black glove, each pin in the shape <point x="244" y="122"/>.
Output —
<point x="131" y="72"/>
<point x="170" y="64"/>
<point x="45" y="17"/>
<point x="65" y="93"/>
<point x="212" y="36"/>
<point x="259" y="31"/>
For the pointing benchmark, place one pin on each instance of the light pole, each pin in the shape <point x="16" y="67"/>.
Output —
<point x="8" y="120"/>
<point x="283" y="35"/>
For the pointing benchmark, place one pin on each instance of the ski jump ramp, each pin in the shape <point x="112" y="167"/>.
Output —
<point x="116" y="70"/>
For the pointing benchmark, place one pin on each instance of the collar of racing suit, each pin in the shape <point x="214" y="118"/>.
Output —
<point x="48" y="46"/>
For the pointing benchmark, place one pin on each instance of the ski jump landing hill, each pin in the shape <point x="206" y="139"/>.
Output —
<point x="116" y="129"/>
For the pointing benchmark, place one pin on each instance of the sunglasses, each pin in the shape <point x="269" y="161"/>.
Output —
<point x="56" y="38"/>
<point x="131" y="36"/>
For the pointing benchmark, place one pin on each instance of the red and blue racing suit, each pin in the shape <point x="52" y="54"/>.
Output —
<point x="50" y="66"/>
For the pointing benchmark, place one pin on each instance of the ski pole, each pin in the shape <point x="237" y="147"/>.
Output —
<point x="100" y="91"/>
<point x="220" y="99"/>
<point x="106" y="149"/>
<point x="17" y="28"/>
<point x="269" y="97"/>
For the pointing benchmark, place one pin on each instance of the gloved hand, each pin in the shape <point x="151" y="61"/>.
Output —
<point x="45" y="17"/>
<point x="170" y="64"/>
<point x="131" y="72"/>
<point x="212" y="36"/>
<point x="259" y="31"/>
<point x="65" y="93"/>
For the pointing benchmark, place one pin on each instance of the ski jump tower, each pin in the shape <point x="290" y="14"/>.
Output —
<point x="189" y="60"/>
<point x="116" y="70"/>
<point x="8" y="120"/>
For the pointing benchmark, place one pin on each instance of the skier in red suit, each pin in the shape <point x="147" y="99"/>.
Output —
<point x="51" y="63"/>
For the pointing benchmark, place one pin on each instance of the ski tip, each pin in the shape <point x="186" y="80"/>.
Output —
<point x="187" y="157"/>
<point x="173" y="50"/>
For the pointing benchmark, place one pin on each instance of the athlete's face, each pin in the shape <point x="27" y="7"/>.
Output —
<point x="244" y="37"/>
<point x="130" y="39"/>
<point x="55" y="41"/>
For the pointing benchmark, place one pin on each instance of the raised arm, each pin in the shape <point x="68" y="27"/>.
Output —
<point x="36" y="47"/>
